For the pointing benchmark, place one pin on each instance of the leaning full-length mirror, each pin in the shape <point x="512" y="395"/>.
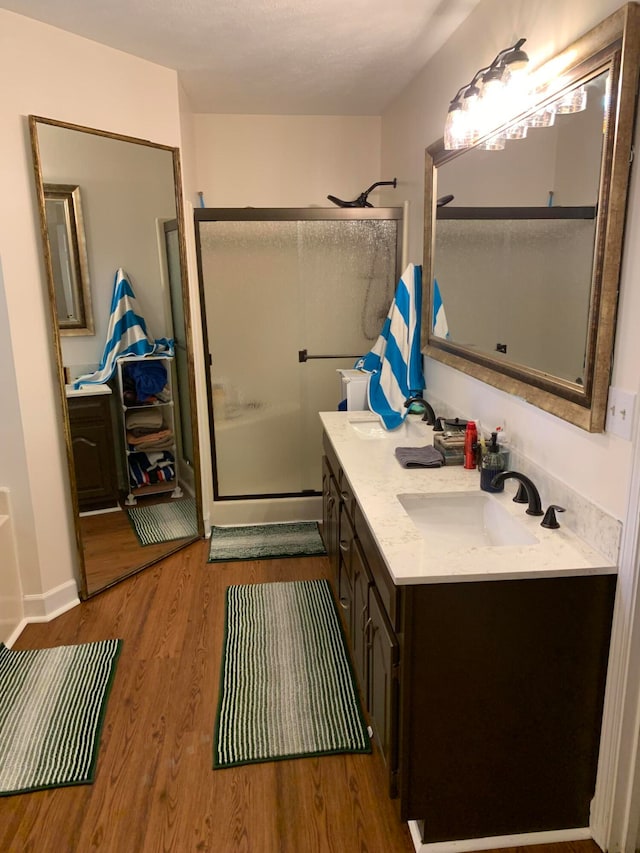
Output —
<point x="127" y="389"/>
<point x="523" y="250"/>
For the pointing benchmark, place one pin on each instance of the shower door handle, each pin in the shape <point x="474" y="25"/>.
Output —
<point x="303" y="356"/>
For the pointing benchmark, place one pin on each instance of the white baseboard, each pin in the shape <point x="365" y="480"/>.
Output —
<point x="265" y="511"/>
<point x="496" y="842"/>
<point x="16" y="633"/>
<point x="44" y="608"/>
<point x="88" y="512"/>
<point x="55" y="602"/>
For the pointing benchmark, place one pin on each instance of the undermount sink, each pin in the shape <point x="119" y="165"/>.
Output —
<point x="457" y="520"/>
<point x="369" y="426"/>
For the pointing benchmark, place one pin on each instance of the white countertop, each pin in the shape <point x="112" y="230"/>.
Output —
<point x="376" y="477"/>
<point x="87" y="390"/>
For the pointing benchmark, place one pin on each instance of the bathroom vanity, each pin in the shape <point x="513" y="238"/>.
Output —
<point x="92" y="439"/>
<point x="482" y="667"/>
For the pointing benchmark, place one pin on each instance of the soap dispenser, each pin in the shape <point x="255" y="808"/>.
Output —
<point x="492" y="464"/>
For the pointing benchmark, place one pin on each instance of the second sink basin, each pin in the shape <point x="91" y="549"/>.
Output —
<point x="368" y="425"/>
<point x="456" y="520"/>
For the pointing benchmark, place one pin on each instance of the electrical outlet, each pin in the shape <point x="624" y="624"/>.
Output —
<point x="620" y="408"/>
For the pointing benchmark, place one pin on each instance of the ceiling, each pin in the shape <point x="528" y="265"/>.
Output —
<point x="288" y="57"/>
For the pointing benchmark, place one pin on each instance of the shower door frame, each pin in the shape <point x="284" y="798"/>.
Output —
<point x="276" y="214"/>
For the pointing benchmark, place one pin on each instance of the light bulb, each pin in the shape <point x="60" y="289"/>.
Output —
<point x="471" y="107"/>
<point x="494" y="143"/>
<point x="516" y="131"/>
<point x="542" y="118"/>
<point x="572" y="102"/>
<point x="454" y="128"/>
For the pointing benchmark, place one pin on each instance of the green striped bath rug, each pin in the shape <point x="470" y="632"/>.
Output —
<point x="286" y="687"/>
<point x="52" y="704"/>
<point x="265" y="541"/>
<point x="164" y="522"/>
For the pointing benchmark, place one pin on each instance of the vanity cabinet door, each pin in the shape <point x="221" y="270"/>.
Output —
<point x="93" y="452"/>
<point x="345" y="584"/>
<point x="382" y="686"/>
<point x="360" y="618"/>
<point x="330" y="519"/>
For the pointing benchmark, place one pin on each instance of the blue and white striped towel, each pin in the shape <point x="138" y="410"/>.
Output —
<point x="126" y="334"/>
<point x="440" y="325"/>
<point x="395" y="360"/>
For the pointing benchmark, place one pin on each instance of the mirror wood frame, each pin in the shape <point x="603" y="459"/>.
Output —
<point x="613" y="45"/>
<point x="34" y="121"/>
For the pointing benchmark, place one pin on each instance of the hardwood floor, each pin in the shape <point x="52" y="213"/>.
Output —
<point x="155" y="789"/>
<point x="112" y="550"/>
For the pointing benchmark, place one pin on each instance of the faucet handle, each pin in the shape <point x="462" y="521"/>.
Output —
<point x="550" y="519"/>
<point x="521" y="496"/>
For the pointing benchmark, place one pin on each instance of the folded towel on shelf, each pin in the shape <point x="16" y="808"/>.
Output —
<point x="157" y="444"/>
<point x="126" y="334"/>
<point x="150" y="418"/>
<point x="395" y="360"/>
<point x="139" y="432"/>
<point x="151" y="438"/>
<point x="419" y="457"/>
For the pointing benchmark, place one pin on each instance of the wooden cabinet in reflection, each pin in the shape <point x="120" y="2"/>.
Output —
<point x="93" y="452"/>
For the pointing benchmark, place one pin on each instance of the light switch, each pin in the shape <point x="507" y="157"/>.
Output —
<point x="620" y="408"/>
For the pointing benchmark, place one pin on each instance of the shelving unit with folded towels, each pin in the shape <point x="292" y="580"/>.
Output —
<point x="145" y="384"/>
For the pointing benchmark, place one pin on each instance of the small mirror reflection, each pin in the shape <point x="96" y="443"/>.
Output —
<point x="68" y="254"/>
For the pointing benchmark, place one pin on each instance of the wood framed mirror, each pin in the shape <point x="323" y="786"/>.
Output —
<point x="522" y="265"/>
<point x="68" y="252"/>
<point x="132" y="449"/>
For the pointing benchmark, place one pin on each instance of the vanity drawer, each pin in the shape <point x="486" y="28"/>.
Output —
<point x="390" y="594"/>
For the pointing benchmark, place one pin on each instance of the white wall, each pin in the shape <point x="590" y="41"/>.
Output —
<point x="286" y="161"/>
<point x="596" y="466"/>
<point x="61" y="76"/>
<point x="11" y="606"/>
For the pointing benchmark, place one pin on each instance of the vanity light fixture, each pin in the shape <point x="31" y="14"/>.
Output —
<point x="493" y="93"/>
<point x="574" y="101"/>
<point x="544" y="117"/>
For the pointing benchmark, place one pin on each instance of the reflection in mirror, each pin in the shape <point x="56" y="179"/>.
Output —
<point x="69" y="267"/>
<point x="524" y="259"/>
<point x="540" y="222"/>
<point x="130" y="431"/>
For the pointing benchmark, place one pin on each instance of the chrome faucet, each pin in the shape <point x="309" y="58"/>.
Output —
<point x="429" y="415"/>
<point x="533" y="496"/>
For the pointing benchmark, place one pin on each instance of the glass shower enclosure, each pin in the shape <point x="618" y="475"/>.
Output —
<point x="288" y="297"/>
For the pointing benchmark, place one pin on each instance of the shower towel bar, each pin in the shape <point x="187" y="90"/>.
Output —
<point x="304" y="356"/>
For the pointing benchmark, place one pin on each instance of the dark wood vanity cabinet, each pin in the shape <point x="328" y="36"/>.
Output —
<point x="485" y="697"/>
<point x="330" y="510"/>
<point x="93" y="452"/>
<point x="374" y="645"/>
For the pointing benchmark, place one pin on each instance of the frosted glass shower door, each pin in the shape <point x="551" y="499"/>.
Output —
<point x="273" y="288"/>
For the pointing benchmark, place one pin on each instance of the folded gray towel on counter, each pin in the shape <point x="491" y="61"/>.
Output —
<point x="419" y="457"/>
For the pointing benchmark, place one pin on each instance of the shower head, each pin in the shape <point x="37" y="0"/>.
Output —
<point x="361" y="201"/>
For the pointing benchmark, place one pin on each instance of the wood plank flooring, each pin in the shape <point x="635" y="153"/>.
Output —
<point x="112" y="550"/>
<point x="155" y="789"/>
